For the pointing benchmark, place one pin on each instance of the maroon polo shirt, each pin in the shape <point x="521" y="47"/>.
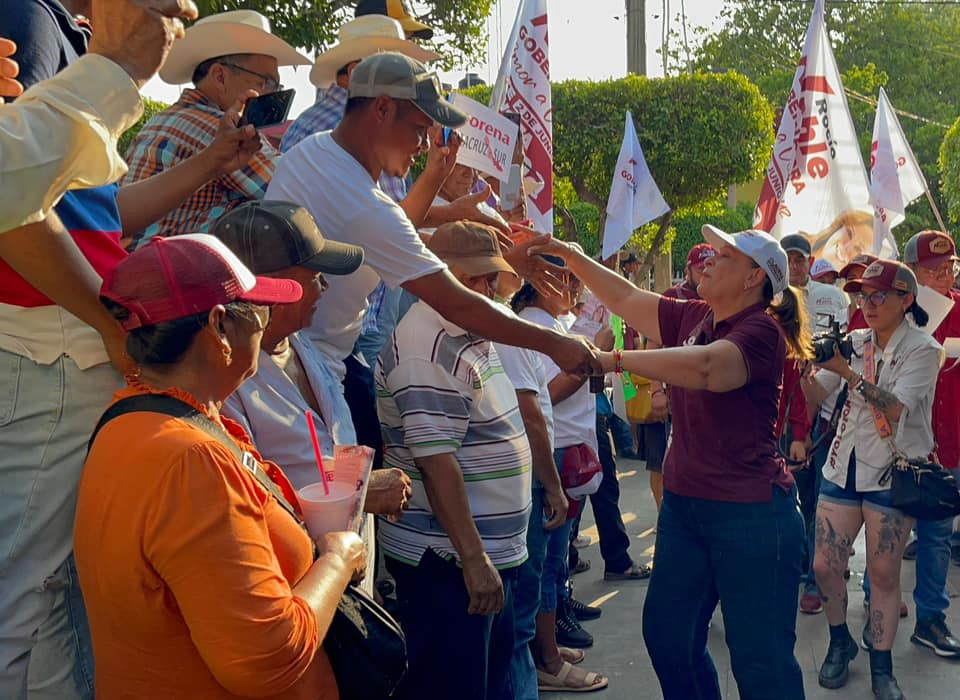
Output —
<point x="946" y="407"/>
<point x="724" y="445"/>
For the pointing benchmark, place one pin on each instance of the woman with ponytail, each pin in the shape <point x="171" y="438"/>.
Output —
<point x="729" y="529"/>
<point x="890" y="382"/>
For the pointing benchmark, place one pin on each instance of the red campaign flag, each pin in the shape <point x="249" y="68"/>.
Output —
<point x="523" y="86"/>
<point x="816" y="183"/>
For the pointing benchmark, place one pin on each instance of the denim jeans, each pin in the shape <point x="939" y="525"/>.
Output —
<point x="361" y="397"/>
<point x="933" y="564"/>
<point x="614" y="540"/>
<point x="747" y="557"/>
<point x="553" y="583"/>
<point x="452" y="654"/>
<point x="47" y="413"/>
<point x="526" y="603"/>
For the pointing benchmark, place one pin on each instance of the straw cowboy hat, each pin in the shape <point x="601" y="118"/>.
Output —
<point x="363" y="37"/>
<point x="236" y="32"/>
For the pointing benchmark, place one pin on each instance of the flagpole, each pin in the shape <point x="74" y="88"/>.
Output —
<point x="936" y="212"/>
<point x="500" y="87"/>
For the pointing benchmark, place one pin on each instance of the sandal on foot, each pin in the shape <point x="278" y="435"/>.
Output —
<point x="582" y="565"/>
<point x="636" y="572"/>
<point x="561" y="682"/>
<point x="572" y="656"/>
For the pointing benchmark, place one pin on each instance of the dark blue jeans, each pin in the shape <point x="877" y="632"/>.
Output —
<point x="452" y="654"/>
<point x="747" y="557"/>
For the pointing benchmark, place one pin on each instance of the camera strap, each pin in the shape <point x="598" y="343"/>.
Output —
<point x="870" y="374"/>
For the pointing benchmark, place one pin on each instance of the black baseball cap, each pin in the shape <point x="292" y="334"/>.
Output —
<point x="273" y="235"/>
<point x="797" y="243"/>
<point x="398" y="10"/>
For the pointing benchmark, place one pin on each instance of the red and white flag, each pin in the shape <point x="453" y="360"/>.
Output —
<point x="523" y="86"/>
<point x="895" y="177"/>
<point x="816" y="183"/>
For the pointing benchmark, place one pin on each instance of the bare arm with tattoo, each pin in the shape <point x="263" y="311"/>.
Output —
<point x="885" y="401"/>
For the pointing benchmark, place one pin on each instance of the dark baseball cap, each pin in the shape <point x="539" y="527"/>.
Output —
<point x="888" y="275"/>
<point x="398" y="10"/>
<point x="796" y="243"/>
<point x="863" y="260"/>
<point x="930" y="249"/>
<point x="403" y="78"/>
<point x="274" y="235"/>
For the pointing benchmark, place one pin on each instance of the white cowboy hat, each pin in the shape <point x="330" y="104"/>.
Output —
<point x="363" y="37"/>
<point x="236" y="32"/>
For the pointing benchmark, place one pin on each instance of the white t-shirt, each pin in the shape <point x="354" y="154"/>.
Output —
<point x="527" y="372"/>
<point x="349" y="206"/>
<point x="574" y="418"/>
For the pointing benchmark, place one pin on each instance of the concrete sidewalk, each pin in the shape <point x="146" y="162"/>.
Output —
<point x="619" y="651"/>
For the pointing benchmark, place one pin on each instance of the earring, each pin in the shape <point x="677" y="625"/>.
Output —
<point x="228" y="356"/>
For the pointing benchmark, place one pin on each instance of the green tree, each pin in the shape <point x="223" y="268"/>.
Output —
<point x="313" y="24"/>
<point x="699" y="133"/>
<point x="906" y="48"/>
<point x="150" y="107"/>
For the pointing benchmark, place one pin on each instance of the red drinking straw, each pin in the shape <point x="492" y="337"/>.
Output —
<point x="316" y="450"/>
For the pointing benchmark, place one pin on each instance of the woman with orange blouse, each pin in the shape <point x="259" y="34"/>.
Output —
<point x="197" y="579"/>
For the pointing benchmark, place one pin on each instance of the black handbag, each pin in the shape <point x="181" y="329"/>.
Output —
<point x="922" y="489"/>
<point x="366" y="646"/>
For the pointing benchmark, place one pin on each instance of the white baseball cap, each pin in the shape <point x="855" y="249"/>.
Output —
<point x="758" y="245"/>
<point x="821" y="267"/>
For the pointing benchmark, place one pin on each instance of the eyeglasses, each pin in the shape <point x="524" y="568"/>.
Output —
<point x="269" y="82"/>
<point x="951" y="269"/>
<point x="875" y="299"/>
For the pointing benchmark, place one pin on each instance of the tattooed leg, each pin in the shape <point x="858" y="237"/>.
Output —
<point x="836" y="528"/>
<point x="886" y="539"/>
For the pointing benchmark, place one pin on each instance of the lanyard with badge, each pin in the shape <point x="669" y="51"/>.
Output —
<point x="870" y="374"/>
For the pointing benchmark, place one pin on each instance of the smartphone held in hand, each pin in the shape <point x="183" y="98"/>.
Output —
<point x="268" y="109"/>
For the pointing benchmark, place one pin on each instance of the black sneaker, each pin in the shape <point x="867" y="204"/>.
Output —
<point x="582" y="611"/>
<point x="935" y="634"/>
<point x="885" y="687"/>
<point x="866" y="639"/>
<point x="910" y="553"/>
<point x="569" y="632"/>
<point x="834" y="671"/>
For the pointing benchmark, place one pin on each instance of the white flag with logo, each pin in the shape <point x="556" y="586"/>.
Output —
<point x="815" y="182"/>
<point x="635" y="198"/>
<point x="523" y="86"/>
<point x="895" y="177"/>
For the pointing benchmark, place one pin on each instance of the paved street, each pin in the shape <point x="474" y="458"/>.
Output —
<point x="619" y="651"/>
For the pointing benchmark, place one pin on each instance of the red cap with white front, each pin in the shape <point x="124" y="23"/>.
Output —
<point x="171" y="278"/>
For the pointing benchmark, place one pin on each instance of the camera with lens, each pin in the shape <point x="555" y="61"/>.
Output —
<point x="824" y="344"/>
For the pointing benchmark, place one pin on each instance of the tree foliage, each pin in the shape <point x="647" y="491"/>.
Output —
<point x="313" y="24"/>
<point x="699" y="133"/>
<point x="906" y="48"/>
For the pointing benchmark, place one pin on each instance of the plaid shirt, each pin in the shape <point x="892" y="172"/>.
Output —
<point x="173" y="135"/>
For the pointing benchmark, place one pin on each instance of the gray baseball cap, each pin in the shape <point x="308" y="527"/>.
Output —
<point x="272" y="235"/>
<point x="404" y="78"/>
<point x="796" y="243"/>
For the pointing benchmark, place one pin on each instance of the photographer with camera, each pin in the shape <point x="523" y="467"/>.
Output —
<point x="889" y="372"/>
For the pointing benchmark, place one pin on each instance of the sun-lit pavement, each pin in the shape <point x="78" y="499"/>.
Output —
<point x="619" y="652"/>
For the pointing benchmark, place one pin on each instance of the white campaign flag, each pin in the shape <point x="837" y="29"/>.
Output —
<point x="895" y="177"/>
<point x="815" y="182"/>
<point x="635" y="198"/>
<point x="523" y="87"/>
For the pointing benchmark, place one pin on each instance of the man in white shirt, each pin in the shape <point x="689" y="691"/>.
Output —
<point x="393" y="106"/>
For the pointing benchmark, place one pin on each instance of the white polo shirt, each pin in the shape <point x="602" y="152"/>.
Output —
<point x="349" y="206"/>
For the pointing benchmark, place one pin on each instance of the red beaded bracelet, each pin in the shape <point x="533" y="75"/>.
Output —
<point x="618" y="361"/>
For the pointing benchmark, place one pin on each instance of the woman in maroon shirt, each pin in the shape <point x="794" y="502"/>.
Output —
<point x="729" y="529"/>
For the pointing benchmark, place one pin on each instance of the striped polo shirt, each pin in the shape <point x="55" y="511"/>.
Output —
<point x="441" y="390"/>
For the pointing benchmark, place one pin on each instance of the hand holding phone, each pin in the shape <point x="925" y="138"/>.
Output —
<point x="269" y="109"/>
